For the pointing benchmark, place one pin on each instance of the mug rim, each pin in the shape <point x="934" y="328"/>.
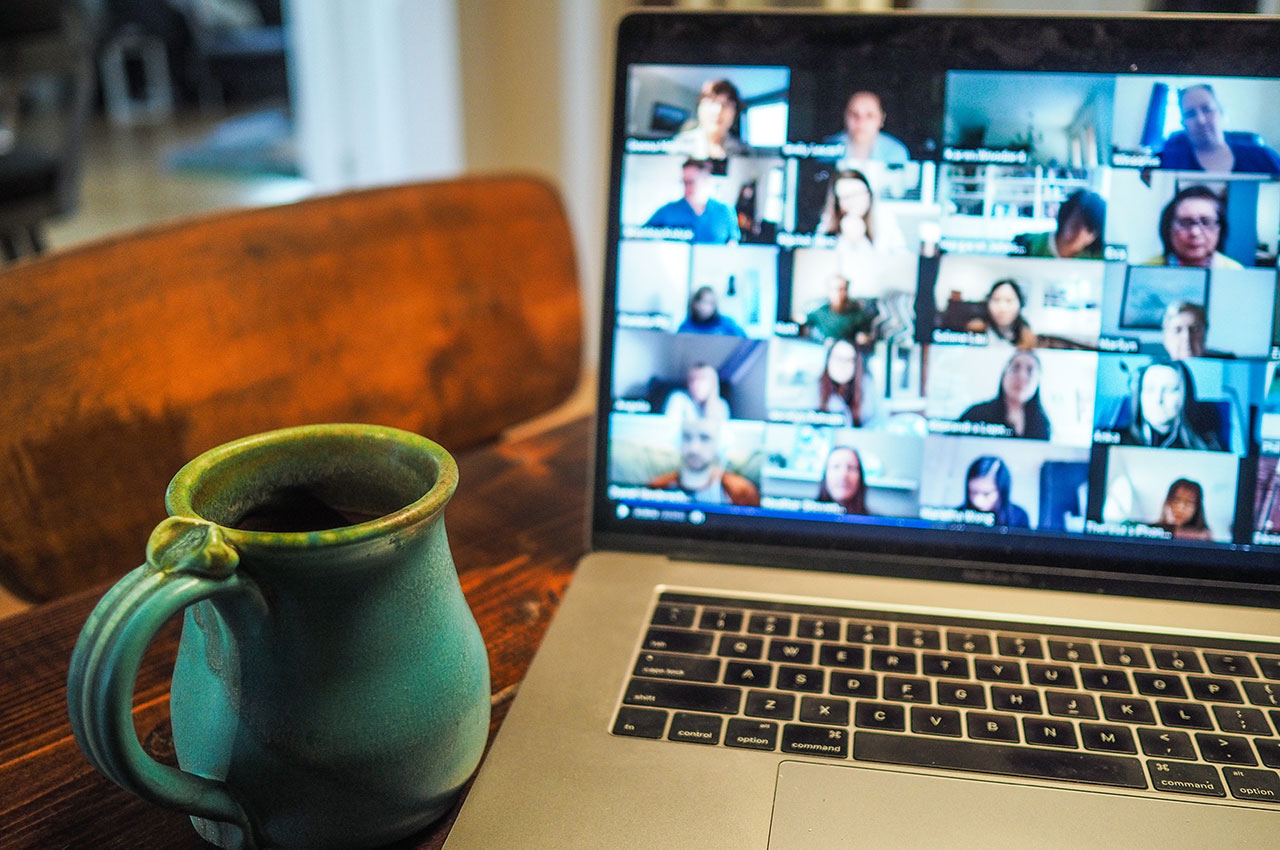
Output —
<point x="179" y="501"/>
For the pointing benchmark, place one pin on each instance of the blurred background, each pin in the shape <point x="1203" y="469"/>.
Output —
<point x="115" y="114"/>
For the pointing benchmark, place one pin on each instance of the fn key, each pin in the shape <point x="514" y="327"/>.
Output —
<point x="640" y="722"/>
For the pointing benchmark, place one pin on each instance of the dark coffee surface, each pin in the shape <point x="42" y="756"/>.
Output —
<point x="298" y="509"/>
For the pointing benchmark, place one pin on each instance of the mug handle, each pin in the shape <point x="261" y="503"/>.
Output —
<point x="188" y="560"/>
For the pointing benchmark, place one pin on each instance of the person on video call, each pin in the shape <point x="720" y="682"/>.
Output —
<point x="1081" y="220"/>
<point x="1204" y="144"/>
<point x="843" y="482"/>
<point x="1017" y="403"/>
<point x="986" y="489"/>
<point x="842" y="386"/>
<point x="705" y="317"/>
<point x="700" y="396"/>
<point x="710" y="220"/>
<point x="863" y="136"/>
<point x="714" y="132"/>
<point x="1183" y="329"/>
<point x="1193" y="226"/>
<point x="1166" y="414"/>
<point x="1001" y="319"/>
<point x="700" y="473"/>
<point x="850" y="215"/>
<point x="841" y="317"/>
<point x="1183" y="512"/>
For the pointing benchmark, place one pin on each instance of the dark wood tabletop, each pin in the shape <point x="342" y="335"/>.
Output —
<point x="516" y="527"/>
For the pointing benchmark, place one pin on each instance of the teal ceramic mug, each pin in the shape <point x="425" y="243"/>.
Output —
<point x="331" y="687"/>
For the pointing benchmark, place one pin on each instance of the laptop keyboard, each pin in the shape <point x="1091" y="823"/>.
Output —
<point x="1187" y="717"/>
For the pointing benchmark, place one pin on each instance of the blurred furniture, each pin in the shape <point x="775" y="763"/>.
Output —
<point x="46" y="93"/>
<point x="450" y="309"/>
<point x="128" y="46"/>
<point x="516" y="529"/>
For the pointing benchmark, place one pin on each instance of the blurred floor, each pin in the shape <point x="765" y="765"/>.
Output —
<point x="127" y="184"/>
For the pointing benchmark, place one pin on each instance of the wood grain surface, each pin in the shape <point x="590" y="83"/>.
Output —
<point x="516" y="528"/>
<point x="450" y="309"/>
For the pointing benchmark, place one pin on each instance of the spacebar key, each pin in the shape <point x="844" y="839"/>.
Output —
<point x="1066" y="766"/>
<point x="683" y="696"/>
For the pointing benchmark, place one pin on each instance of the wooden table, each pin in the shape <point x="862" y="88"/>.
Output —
<point x="516" y="526"/>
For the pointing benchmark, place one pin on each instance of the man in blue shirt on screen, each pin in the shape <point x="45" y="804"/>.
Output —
<point x="710" y="220"/>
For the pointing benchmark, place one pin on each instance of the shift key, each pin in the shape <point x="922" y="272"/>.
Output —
<point x="683" y="696"/>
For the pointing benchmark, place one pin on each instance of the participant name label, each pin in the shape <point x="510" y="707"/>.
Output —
<point x="975" y="429"/>
<point x="1117" y="344"/>
<point x="657" y="322"/>
<point x="985" y="155"/>
<point x="806" y="417"/>
<point x="683" y="234"/>
<point x="946" y="337"/>
<point x="829" y="151"/>
<point x="967" y="517"/>
<point x="631" y="405"/>
<point x="980" y="246"/>
<point x="1134" y="160"/>
<point x="1128" y="529"/>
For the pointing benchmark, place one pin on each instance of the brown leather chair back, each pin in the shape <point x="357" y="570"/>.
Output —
<point x="450" y="309"/>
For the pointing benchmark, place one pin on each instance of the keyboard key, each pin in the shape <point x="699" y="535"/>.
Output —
<point x="867" y="633"/>
<point x="659" y="693"/>
<point x="673" y="615"/>
<point x="1185" y="715"/>
<point x="918" y="638"/>
<point x="721" y="620"/>
<point x="1071" y="704"/>
<point x="770" y="704"/>
<point x="1249" y="721"/>
<point x="841" y="655"/>
<point x="751" y="734"/>
<point x="992" y="727"/>
<point x="1123" y="656"/>
<point x="1270" y="667"/>
<point x="1102" y="679"/>
<point x="810" y="679"/>
<point x="791" y="651"/>
<point x="1159" y="685"/>
<point x="662" y="665"/>
<point x="1247" y="784"/>
<point x="879" y="715"/>
<point x="640" y="722"/>
<point x="1166" y="743"/>
<point x="1049" y="733"/>
<point x="695" y="728"/>
<point x="893" y="661"/>
<point x="1178" y="778"/>
<point x="1128" y="710"/>
<point x="1225" y="664"/>
<point x="935" y="721"/>
<point x="978" y="643"/>
<point x="1051" y="675"/>
<point x="1015" y="699"/>
<point x="965" y="694"/>
<point x="1269" y="751"/>
<point x="1111" y="739"/>
<point x="770" y="624"/>
<point x="732" y="646"/>
<point x="863" y="685"/>
<point x="1070" y="650"/>
<point x="907" y="690"/>
<point x="1179" y="660"/>
<point x="954" y="666"/>
<point x="1001" y="759"/>
<point x="997" y="670"/>
<point x="669" y="640"/>
<point x="811" y="627"/>
<point x="1017" y="646"/>
<point x="1225" y="749"/>
<point x="1263" y="693"/>
<point x="1214" y="690"/>
<point x="750" y="675"/>
<point x="834" y="712"/>
<point x="815" y="741"/>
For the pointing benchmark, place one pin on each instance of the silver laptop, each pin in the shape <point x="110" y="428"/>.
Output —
<point x="935" y="497"/>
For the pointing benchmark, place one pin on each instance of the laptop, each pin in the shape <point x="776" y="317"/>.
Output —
<point x="934" y="497"/>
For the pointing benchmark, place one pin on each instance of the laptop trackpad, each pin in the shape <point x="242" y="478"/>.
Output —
<point x="819" y="806"/>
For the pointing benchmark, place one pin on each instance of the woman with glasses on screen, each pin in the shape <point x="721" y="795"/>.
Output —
<point x="1193" y="226"/>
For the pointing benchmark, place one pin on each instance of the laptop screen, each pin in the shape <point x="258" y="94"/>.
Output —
<point x="997" y="289"/>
